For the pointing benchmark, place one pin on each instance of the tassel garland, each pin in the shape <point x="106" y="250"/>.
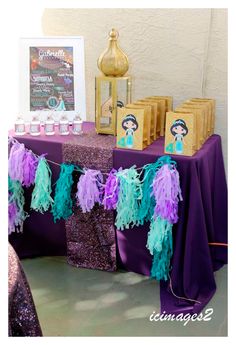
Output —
<point x="166" y="191"/>
<point x="41" y="196"/>
<point x="30" y="163"/>
<point x="130" y="194"/>
<point x="12" y="216"/>
<point x="16" y="162"/>
<point x="111" y="191"/>
<point x="162" y="248"/>
<point x="159" y="228"/>
<point x="16" y="201"/>
<point x="153" y="198"/>
<point x="147" y="202"/>
<point x="89" y="189"/>
<point x="62" y="207"/>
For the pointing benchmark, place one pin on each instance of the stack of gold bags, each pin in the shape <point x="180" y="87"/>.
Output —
<point x="143" y="121"/>
<point x="189" y="126"/>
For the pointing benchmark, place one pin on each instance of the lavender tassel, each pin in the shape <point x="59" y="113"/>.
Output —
<point x="167" y="193"/>
<point x="111" y="191"/>
<point x="15" y="162"/>
<point x="12" y="216"/>
<point x="89" y="189"/>
<point x="30" y="163"/>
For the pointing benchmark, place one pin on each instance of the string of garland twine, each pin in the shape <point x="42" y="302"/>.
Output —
<point x="105" y="172"/>
<point x="102" y="171"/>
<point x="181" y="297"/>
<point x="13" y="140"/>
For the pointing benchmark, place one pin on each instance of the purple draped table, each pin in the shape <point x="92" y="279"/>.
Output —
<point x="22" y="318"/>
<point x="202" y="219"/>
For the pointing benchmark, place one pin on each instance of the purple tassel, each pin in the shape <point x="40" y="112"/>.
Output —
<point x="15" y="162"/>
<point x="12" y="215"/>
<point x="167" y="193"/>
<point x="90" y="189"/>
<point x="111" y="191"/>
<point x="30" y="163"/>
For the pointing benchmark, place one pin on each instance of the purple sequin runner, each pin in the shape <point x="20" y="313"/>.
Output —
<point x="22" y="317"/>
<point x="91" y="236"/>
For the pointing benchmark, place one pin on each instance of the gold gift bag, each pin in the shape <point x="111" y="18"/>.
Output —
<point x="213" y="110"/>
<point x="179" y="136"/>
<point x="147" y="118"/>
<point x="207" y="108"/>
<point x="169" y="107"/>
<point x="130" y="129"/>
<point x="203" y="118"/>
<point x="198" y="125"/>
<point x="161" y="111"/>
<point x="153" y="106"/>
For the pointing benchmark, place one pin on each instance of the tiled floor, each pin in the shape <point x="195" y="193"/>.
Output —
<point x="81" y="302"/>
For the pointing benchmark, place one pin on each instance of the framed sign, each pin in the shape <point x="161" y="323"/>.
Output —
<point x="52" y="77"/>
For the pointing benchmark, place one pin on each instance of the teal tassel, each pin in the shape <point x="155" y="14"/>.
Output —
<point x="41" y="199"/>
<point x="147" y="203"/>
<point x="62" y="207"/>
<point x="160" y="245"/>
<point x="16" y="196"/>
<point x="130" y="193"/>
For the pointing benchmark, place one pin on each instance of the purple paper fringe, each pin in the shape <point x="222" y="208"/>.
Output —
<point x="30" y="163"/>
<point x="111" y="191"/>
<point x="89" y="189"/>
<point x="12" y="215"/>
<point x="15" y="162"/>
<point x="167" y="193"/>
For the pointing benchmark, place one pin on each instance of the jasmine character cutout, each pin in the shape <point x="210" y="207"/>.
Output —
<point x="61" y="106"/>
<point x="179" y="130"/>
<point x="130" y="125"/>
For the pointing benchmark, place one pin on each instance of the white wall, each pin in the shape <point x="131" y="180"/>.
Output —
<point x="28" y="24"/>
<point x="178" y="52"/>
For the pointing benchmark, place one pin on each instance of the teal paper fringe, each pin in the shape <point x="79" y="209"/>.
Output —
<point x="130" y="194"/>
<point x="16" y="195"/>
<point x="41" y="196"/>
<point x="160" y="246"/>
<point x="62" y="207"/>
<point x="147" y="204"/>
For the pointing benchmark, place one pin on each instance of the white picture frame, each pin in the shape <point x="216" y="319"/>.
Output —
<point x="52" y="78"/>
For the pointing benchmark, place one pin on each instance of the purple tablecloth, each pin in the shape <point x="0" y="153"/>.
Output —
<point x="22" y="317"/>
<point x="202" y="219"/>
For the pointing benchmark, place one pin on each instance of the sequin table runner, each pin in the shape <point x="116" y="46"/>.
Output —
<point x="91" y="241"/>
<point x="22" y="316"/>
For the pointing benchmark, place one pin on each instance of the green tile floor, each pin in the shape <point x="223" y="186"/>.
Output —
<point x="73" y="301"/>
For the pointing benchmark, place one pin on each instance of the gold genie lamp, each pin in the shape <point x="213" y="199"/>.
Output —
<point x="113" y="88"/>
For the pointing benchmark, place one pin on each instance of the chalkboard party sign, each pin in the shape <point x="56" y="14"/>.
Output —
<point x="52" y="77"/>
